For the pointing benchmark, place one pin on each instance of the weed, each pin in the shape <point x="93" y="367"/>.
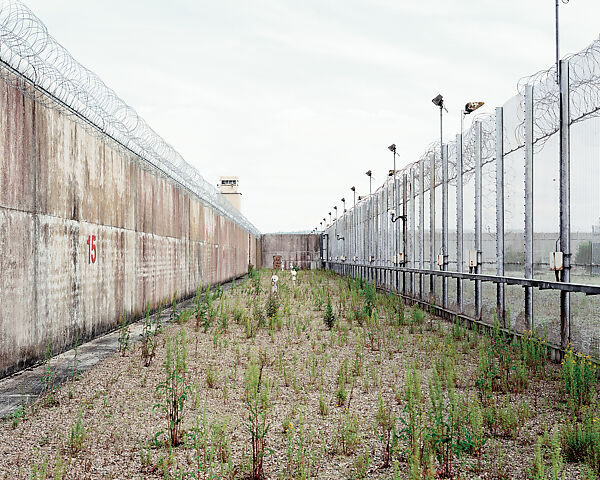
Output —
<point x="77" y="435"/>
<point x="578" y="374"/>
<point x="323" y="406"/>
<point x="18" y="416"/>
<point x="386" y="424"/>
<point x="534" y="351"/>
<point x="211" y="377"/>
<point x="174" y="389"/>
<point x="48" y="379"/>
<point x="348" y="433"/>
<point x="329" y="316"/>
<point x="272" y="306"/>
<point x="581" y="441"/>
<point x="174" y="313"/>
<point x="361" y="465"/>
<point x="417" y="316"/>
<point x="148" y="347"/>
<point x="257" y="403"/>
<point x="123" y="335"/>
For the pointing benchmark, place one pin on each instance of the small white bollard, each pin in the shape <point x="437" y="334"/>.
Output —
<point x="294" y="277"/>
<point x="274" y="280"/>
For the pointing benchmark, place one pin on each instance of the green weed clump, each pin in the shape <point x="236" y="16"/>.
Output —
<point x="534" y="351"/>
<point x="123" y="335"/>
<point x="301" y="461"/>
<point x="255" y="283"/>
<point x="370" y="302"/>
<point x="581" y="440"/>
<point x="578" y="374"/>
<point x="328" y="315"/>
<point x="77" y="435"/>
<point x="174" y="389"/>
<point x="18" y="416"/>
<point x="272" y="306"/>
<point x="148" y="347"/>
<point x="349" y="436"/>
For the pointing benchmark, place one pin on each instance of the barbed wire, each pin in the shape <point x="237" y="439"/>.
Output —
<point x="584" y="92"/>
<point x="30" y="52"/>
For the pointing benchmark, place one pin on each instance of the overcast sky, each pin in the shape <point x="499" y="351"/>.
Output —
<point x="300" y="98"/>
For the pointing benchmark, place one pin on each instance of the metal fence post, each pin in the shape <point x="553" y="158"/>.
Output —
<point x="459" y="221"/>
<point x="421" y="227"/>
<point x="478" y="229"/>
<point x="565" y="202"/>
<point x="432" y="227"/>
<point x="404" y="222"/>
<point x="396" y="242"/>
<point x="413" y="230"/>
<point x="528" y="233"/>
<point x="445" y="224"/>
<point x="500" y="308"/>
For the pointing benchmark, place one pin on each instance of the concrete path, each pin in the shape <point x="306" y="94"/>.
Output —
<point x="26" y="385"/>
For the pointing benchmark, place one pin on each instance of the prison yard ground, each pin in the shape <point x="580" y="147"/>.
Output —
<point x="327" y="379"/>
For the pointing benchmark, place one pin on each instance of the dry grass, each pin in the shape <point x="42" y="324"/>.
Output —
<point x="329" y="396"/>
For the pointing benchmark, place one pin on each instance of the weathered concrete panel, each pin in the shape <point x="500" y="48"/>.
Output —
<point x="62" y="185"/>
<point x="302" y="250"/>
<point x="17" y="288"/>
<point x="17" y="164"/>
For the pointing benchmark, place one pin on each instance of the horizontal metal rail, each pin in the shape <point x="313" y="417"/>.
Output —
<point x="524" y="282"/>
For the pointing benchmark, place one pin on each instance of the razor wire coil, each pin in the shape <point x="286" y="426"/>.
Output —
<point x="30" y="52"/>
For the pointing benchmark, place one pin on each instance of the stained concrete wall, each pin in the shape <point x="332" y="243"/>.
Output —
<point x="61" y="182"/>
<point x="302" y="250"/>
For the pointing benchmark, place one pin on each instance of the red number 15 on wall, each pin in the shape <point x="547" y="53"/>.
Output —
<point x="91" y="241"/>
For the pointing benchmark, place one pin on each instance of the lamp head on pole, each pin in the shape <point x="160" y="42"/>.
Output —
<point x="472" y="106"/>
<point x="438" y="101"/>
<point x="353" y="189"/>
<point x="392" y="148"/>
<point x="368" y="173"/>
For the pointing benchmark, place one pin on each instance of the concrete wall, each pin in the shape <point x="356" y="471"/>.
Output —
<point x="302" y="250"/>
<point x="60" y="183"/>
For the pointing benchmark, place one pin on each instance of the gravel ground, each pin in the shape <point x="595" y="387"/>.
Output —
<point x="118" y="432"/>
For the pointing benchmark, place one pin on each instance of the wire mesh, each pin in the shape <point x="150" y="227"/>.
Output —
<point x="521" y="220"/>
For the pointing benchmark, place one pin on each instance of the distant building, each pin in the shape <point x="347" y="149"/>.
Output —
<point x="228" y="186"/>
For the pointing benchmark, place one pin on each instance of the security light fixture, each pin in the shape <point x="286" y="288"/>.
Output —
<point x="470" y="107"/>
<point x="438" y="101"/>
<point x="392" y="148"/>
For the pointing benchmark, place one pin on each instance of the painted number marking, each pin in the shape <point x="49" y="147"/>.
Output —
<point x="91" y="241"/>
